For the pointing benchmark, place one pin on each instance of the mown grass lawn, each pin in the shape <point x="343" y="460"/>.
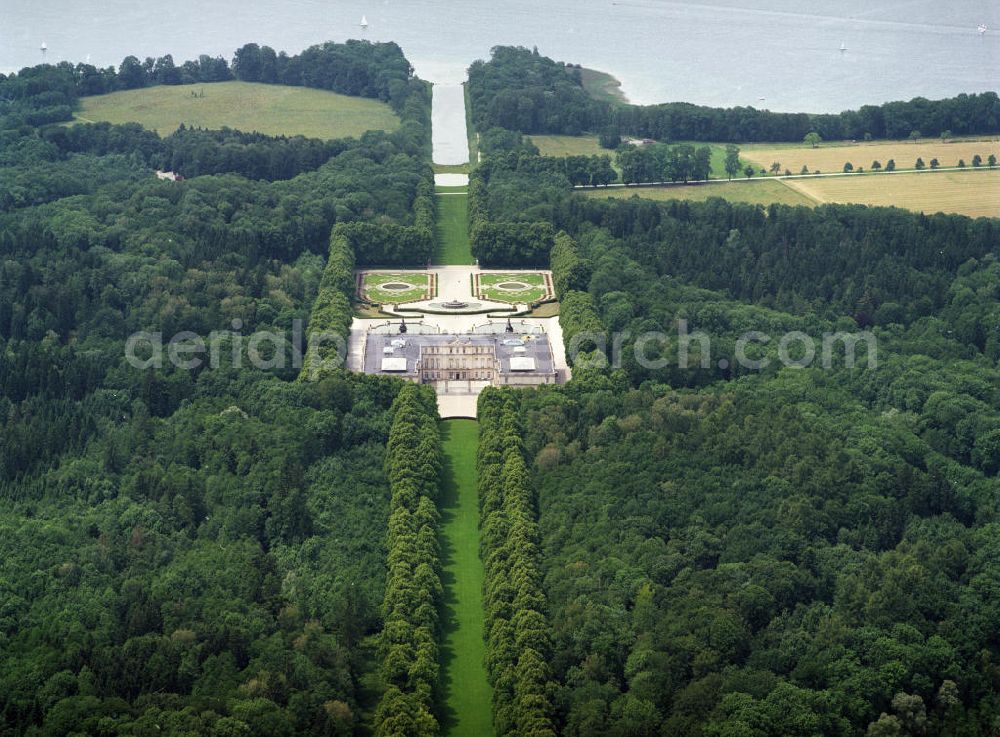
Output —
<point x="247" y="106"/>
<point x="373" y="283"/>
<point x="489" y="287"/>
<point x="972" y="192"/>
<point x="467" y="706"/>
<point x="452" y="228"/>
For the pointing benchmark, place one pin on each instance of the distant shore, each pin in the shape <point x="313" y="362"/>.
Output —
<point x="602" y="86"/>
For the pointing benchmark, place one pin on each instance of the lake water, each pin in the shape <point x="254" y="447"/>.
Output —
<point x="448" y="130"/>
<point x="777" y="54"/>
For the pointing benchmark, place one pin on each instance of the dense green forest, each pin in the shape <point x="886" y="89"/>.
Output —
<point x="410" y="611"/>
<point x="41" y="163"/>
<point x="520" y="90"/>
<point x="212" y="572"/>
<point x="200" y="550"/>
<point x="777" y="551"/>
<point x="702" y="550"/>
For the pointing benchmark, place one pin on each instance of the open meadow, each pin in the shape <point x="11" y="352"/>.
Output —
<point x="247" y="106"/>
<point x="974" y="193"/>
<point x="830" y="157"/>
<point x="382" y="287"/>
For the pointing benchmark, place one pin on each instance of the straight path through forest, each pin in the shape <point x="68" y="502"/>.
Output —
<point x="466" y="692"/>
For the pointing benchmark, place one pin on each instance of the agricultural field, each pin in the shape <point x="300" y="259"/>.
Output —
<point x="830" y="157"/>
<point x="513" y="288"/>
<point x="384" y="287"/>
<point x="755" y="192"/>
<point x="247" y="106"/>
<point x="974" y="193"/>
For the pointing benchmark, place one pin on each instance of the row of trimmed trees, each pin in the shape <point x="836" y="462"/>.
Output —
<point x="409" y="641"/>
<point x="331" y="315"/>
<point x="518" y="639"/>
<point x="578" y="315"/>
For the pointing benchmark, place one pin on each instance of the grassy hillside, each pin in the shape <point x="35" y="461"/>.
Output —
<point x="467" y="694"/>
<point x="247" y="106"/>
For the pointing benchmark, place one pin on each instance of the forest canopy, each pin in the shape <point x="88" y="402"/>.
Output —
<point x="521" y="90"/>
<point x="699" y="549"/>
<point x="191" y="550"/>
<point x="770" y="552"/>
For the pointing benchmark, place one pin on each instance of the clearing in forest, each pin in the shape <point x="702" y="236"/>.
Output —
<point x="467" y="706"/>
<point x="273" y="109"/>
<point x="971" y="192"/>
